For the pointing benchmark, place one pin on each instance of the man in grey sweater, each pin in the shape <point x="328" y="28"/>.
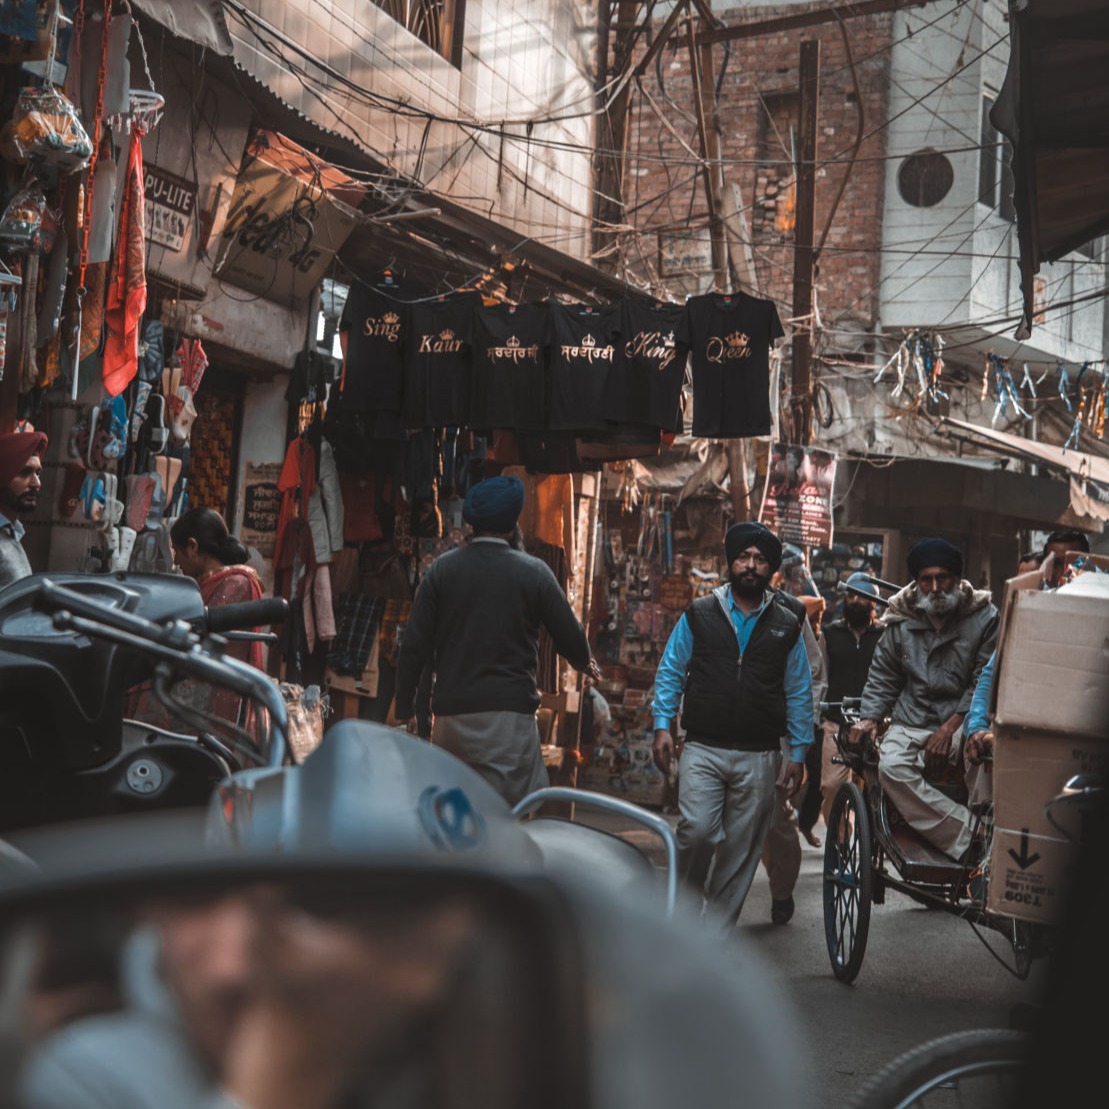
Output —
<point x="20" y="481"/>
<point x="475" y="622"/>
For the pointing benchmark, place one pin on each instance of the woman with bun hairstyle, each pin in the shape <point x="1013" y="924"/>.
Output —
<point x="204" y="550"/>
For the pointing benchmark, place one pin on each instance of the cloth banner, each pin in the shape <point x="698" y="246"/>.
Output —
<point x="797" y="503"/>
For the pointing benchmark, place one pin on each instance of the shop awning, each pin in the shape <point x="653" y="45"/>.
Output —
<point x="1080" y="467"/>
<point x="201" y="22"/>
<point x="1054" y="109"/>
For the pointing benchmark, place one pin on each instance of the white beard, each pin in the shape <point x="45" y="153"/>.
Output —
<point x="939" y="604"/>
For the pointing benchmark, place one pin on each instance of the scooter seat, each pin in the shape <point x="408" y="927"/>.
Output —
<point x="577" y="847"/>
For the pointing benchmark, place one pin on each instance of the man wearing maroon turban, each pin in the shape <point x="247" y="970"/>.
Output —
<point x="20" y="469"/>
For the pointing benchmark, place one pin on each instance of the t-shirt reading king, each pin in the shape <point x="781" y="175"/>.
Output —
<point x="373" y="370"/>
<point x="508" y="380"/>
<point x="644" y="386"/>
<point x="437" y="373"/>
<point x="581" y="353"/>
<point x="730" y="335"/>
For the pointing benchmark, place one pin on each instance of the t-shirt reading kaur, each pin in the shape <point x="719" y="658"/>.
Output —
<point x="437" y="370"/>
<point x="730" y="335"/>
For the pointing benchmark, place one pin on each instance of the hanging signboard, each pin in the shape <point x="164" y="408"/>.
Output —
<point x="261" y="507"/>
<point x="170" y="207"/>
<point x="797" y="503"/>
<point x="290" y="213"/>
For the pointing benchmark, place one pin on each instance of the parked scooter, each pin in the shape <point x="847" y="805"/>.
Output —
<point x="71" y="647"/>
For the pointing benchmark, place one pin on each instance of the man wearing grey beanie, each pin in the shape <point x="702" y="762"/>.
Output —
<point x="939" y="633"/>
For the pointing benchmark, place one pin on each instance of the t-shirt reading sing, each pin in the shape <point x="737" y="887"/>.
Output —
<point x="730" y="335"/>
<point x="644" y="386"/>
<point x="581" y="354"/>
<point x="508" y="380"/>
<point x="437" y="370"/>
<point x="373" y="369"/>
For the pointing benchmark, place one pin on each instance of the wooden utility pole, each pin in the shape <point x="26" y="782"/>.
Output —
<point x="704" y="101"/>
<point x="804" y="253"/>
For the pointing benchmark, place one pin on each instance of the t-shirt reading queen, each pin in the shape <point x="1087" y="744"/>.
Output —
<point x="644" y="386"/>
<point x="373" y="370"/>
<point x="508" y="380"/>
<point x="581" y="353"/>
<point x="730" y="335"/>
<point x="437" y="370"/>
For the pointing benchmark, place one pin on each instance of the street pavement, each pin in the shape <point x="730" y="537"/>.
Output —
<point x="925" y="973"/>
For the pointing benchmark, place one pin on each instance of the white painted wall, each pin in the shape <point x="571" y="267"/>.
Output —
<point x="522" y="60"/>
<point x="956" y="262"/>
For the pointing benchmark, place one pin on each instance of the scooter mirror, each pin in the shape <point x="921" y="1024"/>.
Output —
<point x="321" y="989"/>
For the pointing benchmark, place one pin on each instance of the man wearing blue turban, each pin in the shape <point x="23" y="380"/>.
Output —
<point x="475" y="622"/>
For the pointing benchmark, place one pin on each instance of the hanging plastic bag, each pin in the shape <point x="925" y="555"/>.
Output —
<point x="45" y="126"/>
<point x="21" y="223"/>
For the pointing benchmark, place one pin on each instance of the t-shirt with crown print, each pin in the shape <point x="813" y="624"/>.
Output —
<point x="508" y="380"/>
<point x="581" y="353"/>
<point x="730" y="335"/>
<point x="644" y="386"/>
<point x="372" y="379"/>
<point x="437" y="367"/>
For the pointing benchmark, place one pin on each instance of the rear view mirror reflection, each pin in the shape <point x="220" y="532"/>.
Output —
<point x="316" y="992"/>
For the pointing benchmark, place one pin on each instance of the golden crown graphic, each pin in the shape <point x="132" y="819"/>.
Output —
<point x="589" y="341"/>
<point x="736" y="339"/>
<point x="513" y="342"/>
<point x="390" y="318"/>
<point x="446" y="335"/>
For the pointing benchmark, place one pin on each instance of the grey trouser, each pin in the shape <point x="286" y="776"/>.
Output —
<point x="943" y="822"/>
<point x="781" y="854"/>
<point x="726" y="803"/>
<point x="503" y="747"/>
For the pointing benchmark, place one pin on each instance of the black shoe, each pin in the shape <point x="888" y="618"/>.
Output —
<point x="974" y="854"/>
<point x="781" y="912"/>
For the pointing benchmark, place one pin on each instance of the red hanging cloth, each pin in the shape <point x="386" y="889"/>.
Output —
<point x="127" y="289"/>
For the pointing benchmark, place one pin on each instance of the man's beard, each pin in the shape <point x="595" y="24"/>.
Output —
<point x="857" y="616"/>
<point x="938" y="603"/>
<point x="749" y="585"/>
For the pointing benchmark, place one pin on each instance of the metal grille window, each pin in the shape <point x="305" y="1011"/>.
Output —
<point x="438" y="23"/>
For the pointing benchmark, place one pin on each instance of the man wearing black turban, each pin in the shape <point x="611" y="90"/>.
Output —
<point x="475" y="622"/>
<point x="939" y="633"/>
<point x="737" y="663"/>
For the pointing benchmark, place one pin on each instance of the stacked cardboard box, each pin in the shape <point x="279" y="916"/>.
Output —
<point x="1051" y="721"/>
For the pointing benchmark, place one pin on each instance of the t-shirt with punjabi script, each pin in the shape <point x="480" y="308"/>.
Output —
<point x="730" y="336"/>
<point x="437" y="366"/>
<point x="644" y="386"/>
<point x="581" y="352"/>
<point x="373" y="370"/>
<point x="508" y="379"/>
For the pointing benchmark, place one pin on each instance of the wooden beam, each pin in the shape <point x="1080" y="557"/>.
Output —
<point x="757" y="27"/>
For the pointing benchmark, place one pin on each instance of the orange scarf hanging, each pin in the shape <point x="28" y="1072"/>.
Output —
<point x="127" y="291"/>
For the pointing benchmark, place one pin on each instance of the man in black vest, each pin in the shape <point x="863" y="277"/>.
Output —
<point x="738" y="659"/>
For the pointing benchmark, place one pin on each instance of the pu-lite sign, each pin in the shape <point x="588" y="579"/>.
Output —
<point x="290" y="213"/>
<point x="170" y="207"/>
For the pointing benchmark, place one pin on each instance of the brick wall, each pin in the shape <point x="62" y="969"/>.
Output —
<point x="758" y="84"/>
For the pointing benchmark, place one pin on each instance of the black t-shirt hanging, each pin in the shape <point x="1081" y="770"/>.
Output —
<point x="581" y="353"/>
<point x="644" y="386"/>
<point x="730" y="336"/>
<point x="438" y="359"/>
<point x="373" y="371"/>
<point x="508" y="380"/>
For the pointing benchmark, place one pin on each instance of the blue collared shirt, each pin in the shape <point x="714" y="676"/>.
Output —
<point x="670" y="677"/>
<point x="978" y="719"/>
<point x="18" y="530"/>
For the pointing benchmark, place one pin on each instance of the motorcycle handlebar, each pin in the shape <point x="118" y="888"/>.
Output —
<point x="246" y="615"/>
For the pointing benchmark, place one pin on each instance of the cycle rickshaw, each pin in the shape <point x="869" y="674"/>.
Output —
<point x="870" y="849"/>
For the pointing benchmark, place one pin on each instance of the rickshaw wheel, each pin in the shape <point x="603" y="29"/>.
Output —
<point x="848" y="882"/>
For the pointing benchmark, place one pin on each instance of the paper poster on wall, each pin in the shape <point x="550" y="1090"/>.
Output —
<point x="797" y="504"/>
<point x="261" y="507"/>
